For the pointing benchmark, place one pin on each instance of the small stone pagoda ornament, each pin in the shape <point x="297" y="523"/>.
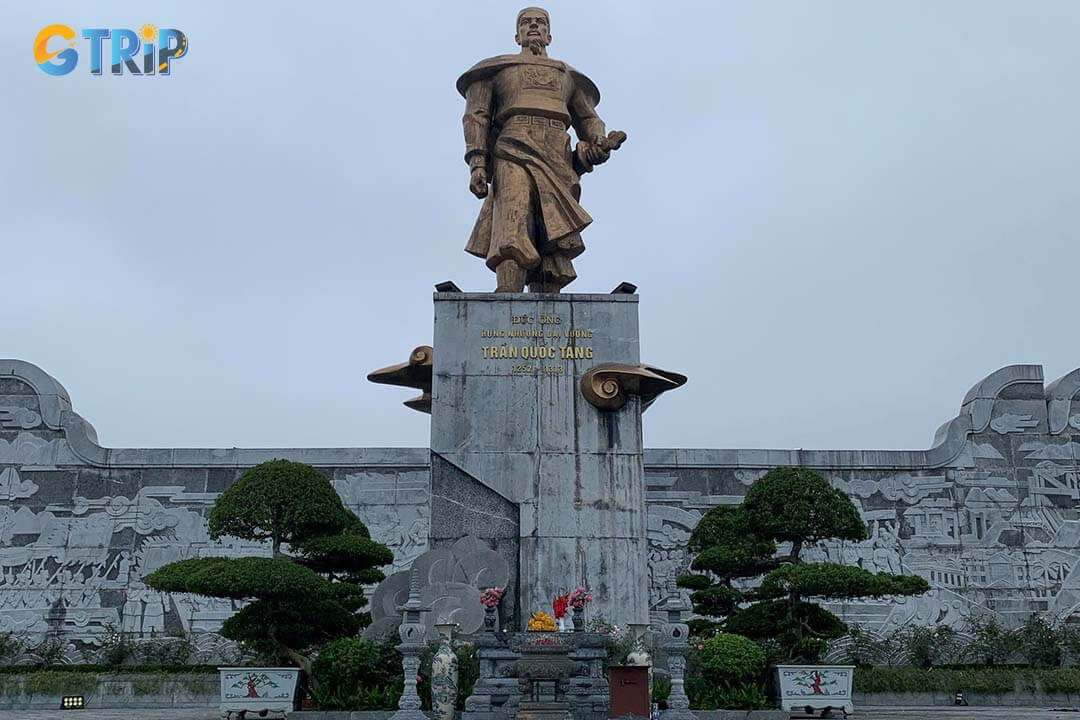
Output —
<point x="412" y="644"/>
<point x="518" y="109"/>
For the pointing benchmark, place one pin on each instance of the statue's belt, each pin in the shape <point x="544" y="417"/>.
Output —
<point x="535" y="120"/>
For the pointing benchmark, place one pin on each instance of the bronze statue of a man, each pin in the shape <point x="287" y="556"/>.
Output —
<point x="517" y="112"/>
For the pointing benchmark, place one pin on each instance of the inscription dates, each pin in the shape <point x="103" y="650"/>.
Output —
<point x="528" y="369"/>
<point x="546" y="338"/>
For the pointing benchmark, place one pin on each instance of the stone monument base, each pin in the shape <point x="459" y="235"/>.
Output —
<point x="508" y="412"/>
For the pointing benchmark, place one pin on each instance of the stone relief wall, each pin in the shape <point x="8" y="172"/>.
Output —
<point x="81" y="525"/>
<point x="988" y="515"/>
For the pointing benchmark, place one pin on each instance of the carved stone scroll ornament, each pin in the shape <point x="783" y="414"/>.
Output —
<point x="416" y="373"/>
<point x="608" y="386"/>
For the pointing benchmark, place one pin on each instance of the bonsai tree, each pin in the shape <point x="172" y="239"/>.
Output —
<point x="755" y="591"/>
<point x="300" y="598"/>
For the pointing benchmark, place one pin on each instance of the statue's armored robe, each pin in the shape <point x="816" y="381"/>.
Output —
<point x="518" y="109"/>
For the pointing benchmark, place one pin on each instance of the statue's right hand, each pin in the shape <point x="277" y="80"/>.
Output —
<point x="478" y="182"/>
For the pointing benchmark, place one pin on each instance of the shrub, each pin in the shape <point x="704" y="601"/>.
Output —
<point x="50" y="651"/>
<point x="166" y="651"/>
<point x="1060" y="680"/>
<point x="862" y="648"/>
<point x="59" y="682"/>
<point x="147" y="684"/>
<point x="748" y="696"/>
<point x="727" y="658"/>
<point x="987" y="680"/>
<point x="300" y="600"/>
<point x="357" y="674"/>
<point x="786" y="505"/>
<point x="10" y="646"/>
<point x="661" y="690"/>
<point x="115" y="647"/>
<point x="726" y="672"/>
<point x="1040" y="644"/>
<point x="991" y="643"/>
<point x="1070" y="642"/>
<point x="928" y="647"/>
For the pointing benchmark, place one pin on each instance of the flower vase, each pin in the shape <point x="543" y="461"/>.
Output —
<point x="639" y="654"/>
<point x="579" y="619"/>
<point x="490" y="618"/>
<point x="444" y="675"/>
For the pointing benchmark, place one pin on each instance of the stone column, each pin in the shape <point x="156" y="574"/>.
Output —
<point x="411" y="632"/>
<point x="675" y="643"/>
<point x="507" y="410"/>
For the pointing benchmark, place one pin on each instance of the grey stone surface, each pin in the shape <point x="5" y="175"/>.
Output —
<point x="449" y="578"/>
<point x="988" y="515"/>
<point x="520" y="426"/>
<point x="741" y="714"/>
<point x="462" y="506"/>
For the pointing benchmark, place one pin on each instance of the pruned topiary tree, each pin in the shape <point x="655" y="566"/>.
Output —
<point x="736" y="544"/>
<point x="301" y="598"/>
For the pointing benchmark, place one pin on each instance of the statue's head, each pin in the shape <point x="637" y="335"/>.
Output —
<point x="533" y="29"/>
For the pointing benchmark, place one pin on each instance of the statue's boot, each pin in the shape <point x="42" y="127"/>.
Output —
<point x="554" y="273"/>
<point x="509" y="277"/>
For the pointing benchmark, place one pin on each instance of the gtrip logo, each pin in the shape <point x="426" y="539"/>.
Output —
<point x="155" y="47"/>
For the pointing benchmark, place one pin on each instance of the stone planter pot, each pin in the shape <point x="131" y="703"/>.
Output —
<point x="491" y="619"/>
<point x="579" y="619"/>
<point x="256" y="690"/>
<point x="444" y="674"/>
<point x="809" y="688"/>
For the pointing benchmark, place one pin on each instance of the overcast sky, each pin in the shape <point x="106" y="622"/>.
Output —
<point x="841" y="214"/>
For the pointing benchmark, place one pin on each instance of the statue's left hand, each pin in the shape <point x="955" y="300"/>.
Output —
<point x="596" y="153"/>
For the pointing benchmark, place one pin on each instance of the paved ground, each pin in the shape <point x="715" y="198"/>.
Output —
<point x="142" y="714"/>
<point x="872" y="713"/>
<point x="945" y="712"/>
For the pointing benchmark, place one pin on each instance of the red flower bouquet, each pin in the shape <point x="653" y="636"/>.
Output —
<point x="558" y="606"/>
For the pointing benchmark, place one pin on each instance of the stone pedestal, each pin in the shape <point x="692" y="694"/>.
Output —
<point x="507" y="410"/>
<point x="495" y="695"/>
<point x="588" y="692"/>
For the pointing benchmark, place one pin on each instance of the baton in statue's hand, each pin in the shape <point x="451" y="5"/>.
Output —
<point x="613" y="141"/>
<point x="597" y="152"/>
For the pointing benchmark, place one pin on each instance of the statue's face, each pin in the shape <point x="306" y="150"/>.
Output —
<point x="533" y="26"/>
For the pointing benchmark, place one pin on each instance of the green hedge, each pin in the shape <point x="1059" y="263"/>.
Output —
<point x="84" y="679"/>
<point x="988" y="680"/>
<point x="60" y="682"/>
<point x="109" y="669"/>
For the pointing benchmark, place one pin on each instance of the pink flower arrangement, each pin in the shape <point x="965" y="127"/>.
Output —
<point x="580" y="597"/>
<point x="491" y="597"/>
